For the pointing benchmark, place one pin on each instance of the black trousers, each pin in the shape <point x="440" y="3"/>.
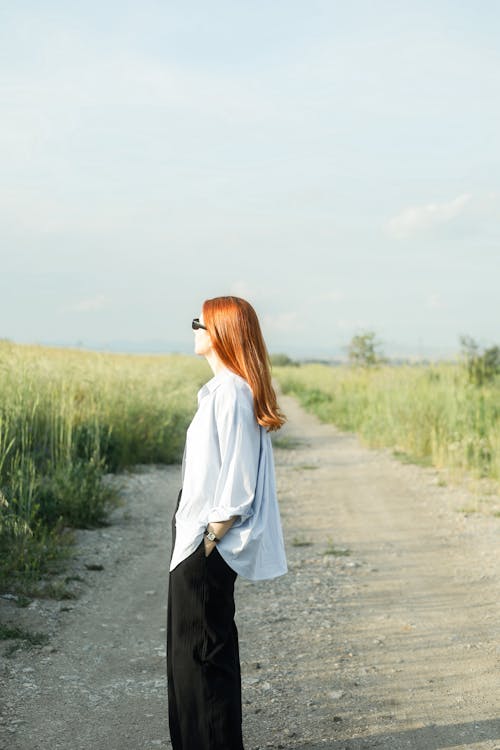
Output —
<point x="203" y="665"/>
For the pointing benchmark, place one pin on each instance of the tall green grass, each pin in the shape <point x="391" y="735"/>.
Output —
<point x="432" y="414"/>
<point x="66" y="418"/>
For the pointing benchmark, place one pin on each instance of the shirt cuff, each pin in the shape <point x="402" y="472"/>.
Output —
<point x="220" y="514"/>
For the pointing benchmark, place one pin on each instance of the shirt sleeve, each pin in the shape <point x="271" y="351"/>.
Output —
<point x="239" y="446"/>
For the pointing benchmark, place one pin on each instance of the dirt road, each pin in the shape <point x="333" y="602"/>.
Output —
<point x="384" y="633"/>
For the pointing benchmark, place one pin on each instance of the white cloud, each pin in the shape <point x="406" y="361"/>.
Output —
<point x="352" y="325"/>
<point x="92" y="304"/>
<point x="417" y="218"/>
<point x="333" y="295"/>
<point x="280" y="322"/>
<point x="435" y="302"/>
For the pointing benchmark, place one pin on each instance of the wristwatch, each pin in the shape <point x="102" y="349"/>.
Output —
<point x="211" y="536"/>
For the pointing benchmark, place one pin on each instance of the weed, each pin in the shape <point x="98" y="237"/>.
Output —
<point x="6" y="633"/>
<point x="24" y="639"/>
<point x="23" y="601"/>
<point x="406" y="458"/>
<point x="300" y="542"/>
<point x="57" y="590"/>
<point x="336" y="551"/>
<point x="286" y="443"/>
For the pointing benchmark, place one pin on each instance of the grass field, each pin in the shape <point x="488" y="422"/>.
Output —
<point x="428" y="414"/>
<point x="66" y="418"/>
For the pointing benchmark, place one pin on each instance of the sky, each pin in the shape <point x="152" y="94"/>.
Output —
<point x="337" y="164"/>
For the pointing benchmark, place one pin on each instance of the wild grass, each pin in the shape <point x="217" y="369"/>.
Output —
<point x="301" y="542"/>
<point x="23" y="639"/>
<point x="432" y="415"/>
<point x="336" y="551"/>
<point x="286" y="443"/>
<point x="67" y="417"/>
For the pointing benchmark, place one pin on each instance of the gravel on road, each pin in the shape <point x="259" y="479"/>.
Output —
<point x="383" y="634"/>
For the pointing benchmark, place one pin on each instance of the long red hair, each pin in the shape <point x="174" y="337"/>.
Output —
<point x="237" y="339"/>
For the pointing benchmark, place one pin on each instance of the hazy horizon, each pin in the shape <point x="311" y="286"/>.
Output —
<point x="158" y="346"/>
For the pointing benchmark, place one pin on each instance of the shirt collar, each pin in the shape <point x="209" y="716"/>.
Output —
<point x="214" y="383"/>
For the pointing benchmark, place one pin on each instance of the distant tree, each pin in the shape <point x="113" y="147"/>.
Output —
<point x="282" y="360"/>
<point x="482" y="366"/>
<point x="365" y="350"/>
<point x="491" y="359"/>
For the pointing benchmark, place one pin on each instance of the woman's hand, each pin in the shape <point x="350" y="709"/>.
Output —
<point x="209" y="546"/>
<point x="219" y="528"/>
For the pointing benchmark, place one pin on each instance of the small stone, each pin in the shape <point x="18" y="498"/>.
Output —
<point x="335" y="695"/>
<point x="251" y="680"/>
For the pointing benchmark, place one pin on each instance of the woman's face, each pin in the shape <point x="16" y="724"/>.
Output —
<point x="202" y="340"/>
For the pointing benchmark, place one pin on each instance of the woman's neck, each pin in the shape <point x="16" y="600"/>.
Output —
<point x="215" y="363"/>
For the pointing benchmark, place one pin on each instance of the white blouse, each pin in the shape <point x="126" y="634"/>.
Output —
<point x="228" y="470"/>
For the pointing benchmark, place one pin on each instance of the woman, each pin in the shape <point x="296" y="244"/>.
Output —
<point x="226" y="524"/>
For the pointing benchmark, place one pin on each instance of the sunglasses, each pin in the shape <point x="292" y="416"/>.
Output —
<point x="196" y="324"/>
